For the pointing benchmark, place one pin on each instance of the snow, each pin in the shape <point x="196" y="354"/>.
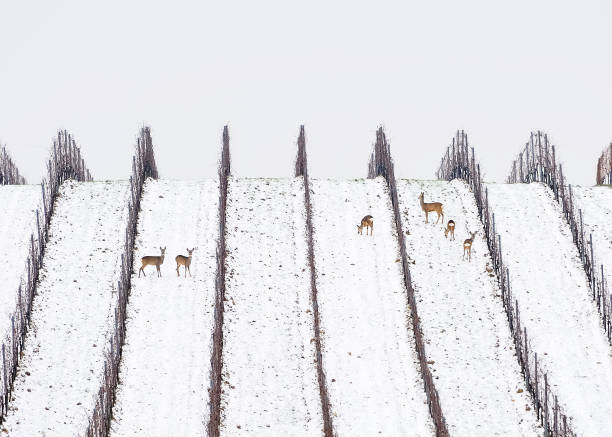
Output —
<point x="269" y="375"/>
<point x="368" y="349"/>
<point x="62" y="365"/>
<point x="596" y="205"/>
<point x="164" y="372"/>
<point x="18" y="204"/>
<point x="554" y="299"/>
<point x="462" y="316"/>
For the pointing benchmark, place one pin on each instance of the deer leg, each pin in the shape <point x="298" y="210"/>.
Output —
<point x="177" y="270"/>
<point x="372" y="230"/>
<point x="426" y="219"/>
<point x="141" y="270"/>
<point x="189" y="271"/>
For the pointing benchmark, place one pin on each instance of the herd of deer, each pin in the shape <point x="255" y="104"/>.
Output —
<point x="437" y="207"/>
<point x="157" y="261"/>
<point x="367" y="222"/>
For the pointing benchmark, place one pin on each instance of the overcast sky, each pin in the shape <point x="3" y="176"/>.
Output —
<point x="421" y="69"/>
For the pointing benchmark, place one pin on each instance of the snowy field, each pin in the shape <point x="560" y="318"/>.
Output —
<point x="269" y="375"/>
<point x="368" y="348"/>
<point x="62" y="365"/>
<point x="596" y="205"/>
<point x="164" y="373"/>
<point x="18" y="204"/>
<point x="462" y="316"/>
<point x="554" y="298"/>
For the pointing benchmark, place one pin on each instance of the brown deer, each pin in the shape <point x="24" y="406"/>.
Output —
<point x="431" y="207"/>
<point x="153" y="261"/>
<point x="367" y="222"/>
<point x="450" y="229"/>
<point x="467" y="246"/>
<point x="182" y="260"/>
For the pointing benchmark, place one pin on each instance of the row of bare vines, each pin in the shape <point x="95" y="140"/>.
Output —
<point x="459" y="162"/>
<point x="536" y="163"/>
<point x="381" y="164"/>
<point x="301" y="169"/>
<point x="604" y="167"/>
<point x="65" y="162"/>
<point x="9" y="173"/>
<point x="216" y="359"/>
<point x="143" y="167"/>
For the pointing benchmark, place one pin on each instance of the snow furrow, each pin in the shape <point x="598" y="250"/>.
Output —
<point x="469" y="344"/>
<point x="551" y="287"/>
<point x="18" y="204"/>
<point x="596" y="206"/>
<point x="368" y="348"/>
<point x="269" y="373"/>
<point x="61" y="369"/>
<point x="164" y="372"/>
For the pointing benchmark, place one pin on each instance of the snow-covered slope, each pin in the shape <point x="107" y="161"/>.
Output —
<point x="596" y="205"/>
<point x="462" y="316"/>
<point x="551" y="287"/>
<point x="63" y="362"/>
<point x="368" y="347"/>
<point x="269" y="375"/>
<point x="18" y="205"/>
<point x="164" y="374"/>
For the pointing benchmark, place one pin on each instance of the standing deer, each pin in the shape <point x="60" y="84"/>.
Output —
<point x="431" y="207"/>
<point x="467" y="246"/>
<point x="153" y="261"/>
<point x="367" y="222"/>
<point x="450" y="228"/>
<point x="182" y="260"/>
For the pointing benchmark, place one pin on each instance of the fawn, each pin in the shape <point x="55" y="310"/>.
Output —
<point x="182" y="260"/>
<point x="367" y="222"/>
<point x="467" y="246"/>
<point x="153" y="261"/>
<point x="431" y="207"/>
<point x="450" y="228"/>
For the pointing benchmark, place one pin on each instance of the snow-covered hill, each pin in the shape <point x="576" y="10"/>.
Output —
<point x="368" y="348"/>
<point x="61" y="368"/>
<point x="549" y="282"/>
<point x="164" y="373"/>
<point x="462" y="316"/>
<point x="269" y="375"/>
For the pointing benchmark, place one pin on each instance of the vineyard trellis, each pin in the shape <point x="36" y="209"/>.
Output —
<point x="542" y="167"/>
<point x="9" y="173"/>
<point x="216" y="359"/>
<point x="143" y="167"/>
<point x="459" y="162"/>
<point x="604" y="167"/>
<point x="65" y="163"/>
<point x="381" y="164"/>
<point x="301" y="169"/>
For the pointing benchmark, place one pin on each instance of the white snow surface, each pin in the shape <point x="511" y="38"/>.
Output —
<point x="596" y="205"/>
<point x="269" y="376"/>
<point x="467" y="336"/>
<point x="554" y="299"/>
<point x="61" y="369"/>
<point x="368" y="347"/>
<point x="18" y="204"/>
<point x="165" y="368"/>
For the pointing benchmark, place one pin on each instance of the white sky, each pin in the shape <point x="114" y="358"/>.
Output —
<point x="422" y="69"/>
